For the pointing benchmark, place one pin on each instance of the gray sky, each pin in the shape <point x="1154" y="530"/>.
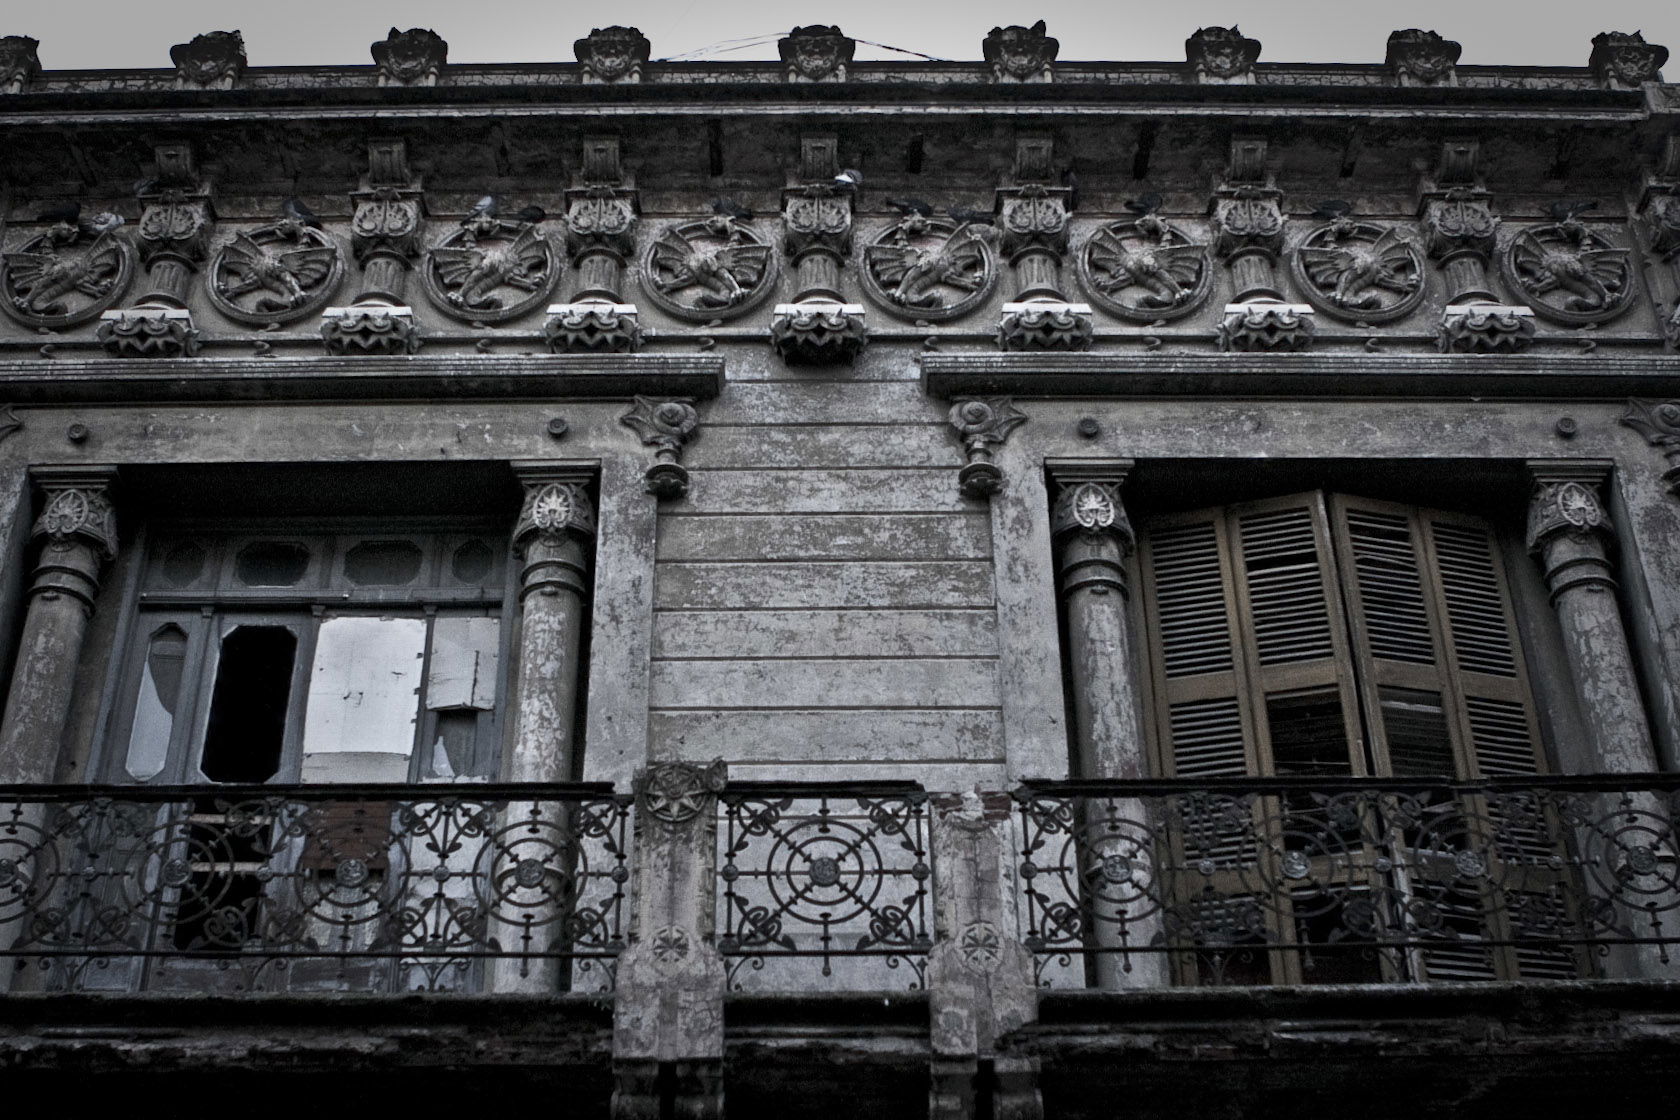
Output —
<point x="101" y="33"/>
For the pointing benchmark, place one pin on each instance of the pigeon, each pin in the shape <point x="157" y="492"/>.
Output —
<point x="143" y="187"/>
<point x="294" y="209"/>
<point x="66" y="212"/>
<point x="1333" y="208"/>
<point x="1569" y="211"/>
<point x="103" y="222"/>
<point x="1144" y="204"/>
<point x="531" y="214"/>
<point x="483" y="208"/>
<point x="909" y="206"/>
<point x="849" y="179"/>
<point x="729" y="208"/>
<point x="962" y="215"/>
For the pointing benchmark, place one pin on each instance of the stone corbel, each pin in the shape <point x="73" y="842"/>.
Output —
<point x="1659" y="423"/>
<point x="1422" y="58"/>
<point x="819" y="327"/>
<point x="1623" y="61"/>
<point x="982" y="424"/>
<point x="602" y="208"/>
<point x="612" y="54"/>
<point x="410" y="58"/>
<point x="173" y="240"/>
<point x="666" y="426"/>
<point x="213" y="60"/>
<point x="1221" y="56"/>
<point x="1020" y="54"/>
<point x="20" y="64"/>
<point x="385" y="236"/>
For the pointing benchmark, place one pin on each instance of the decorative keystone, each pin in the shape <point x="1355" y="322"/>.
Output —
<point x="1485" y="328"/>
<point x="1221" y="56"/>
<point x="982" y="425"/>
<point x="214" y="60"/>
<point x="20" y="63"/>
<point x="1659" y="423"/>
<point x="149" y="332"/>
<point x="817" y="53"/>
<point x="410" y="58"/>
<point x="1423" y="58"/>
<point x="818" y="332"/>
<point x="1623" y="61"/>
<point x="594" y="326"/>
<point x="1266" y="326"/>
<point x="1045" y="324"/>
<point x="665" y="426"/>
<point x="370" y="328"/>
<point x="612" y="54"/>
<point x="1020" y="54"/>
<point x="675" y="793"/>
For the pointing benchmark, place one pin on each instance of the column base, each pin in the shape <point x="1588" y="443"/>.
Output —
<point x="1044" y="324"/>
<point x="372" y="328"/>
<point x="149" y="332"/>
<point x="1267" y="326"/>
<point x="1485" y="328"/>
<point x="594" y="326"/>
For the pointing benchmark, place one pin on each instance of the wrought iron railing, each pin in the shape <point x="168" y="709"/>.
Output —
<point x="824" y="885"/>
<point x="1265" y="881"/>
<point x="290" y="888"/>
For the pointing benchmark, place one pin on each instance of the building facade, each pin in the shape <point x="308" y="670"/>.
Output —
<point x="995" y="589"/>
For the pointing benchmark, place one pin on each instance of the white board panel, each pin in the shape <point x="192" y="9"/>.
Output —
<point x="464" y="662"/>
<point x="363" y="697"/>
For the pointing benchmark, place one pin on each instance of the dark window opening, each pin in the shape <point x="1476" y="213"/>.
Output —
<point x="1308" y="736"/>
<point x="247" y="726"/>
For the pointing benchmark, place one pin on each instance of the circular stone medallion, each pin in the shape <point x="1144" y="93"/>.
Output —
<point x="930" y="268"/>
<point x="1145" y="270"/>
<point x="65" y="276"/>
<point x="715" y="268"/>
<point x="275" y="274"/>
<point x="490" y="270"/>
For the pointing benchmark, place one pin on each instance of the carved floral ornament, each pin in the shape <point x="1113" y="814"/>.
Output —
<point x="1568" y="273"/>
<point x="1360" y="271"/>
<point x="1564" y="507"/>
<point x="598" y="217"/>
<point x="1091" y="507"/>
<point x="930" y="268"/>
<point x="553" y="509"/>
<point x="716" y="268"/>
<point x="68" y="274"/>
<point x="386" y="220"/>
<point x="1145" y="270"/>
<point x="412" y="56"/>
<point x="1628" y="60"/>
<point x="817" y="53"/>
<point x="677" y="792"/>
<point x="491" y="269"/>
<point x="276" y="273"/>
<point x="80" y="511"/>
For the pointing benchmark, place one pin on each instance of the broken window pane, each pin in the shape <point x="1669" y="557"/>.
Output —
<point x="363" y="699"/>
<point x="247" y="725"/>
<point x="154" y="710"/>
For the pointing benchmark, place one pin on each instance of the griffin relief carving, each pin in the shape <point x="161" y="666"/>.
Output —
<point x="930" y="268"/>
<point x="491" y="269"/>
<point x="1145" y="269"/>
<point x="1360" y="270"/>
<point x="69" y="273"/>
<point x="715" y="268"/>
<point x="275" y="273"/>
<point x="1568" y="273"/>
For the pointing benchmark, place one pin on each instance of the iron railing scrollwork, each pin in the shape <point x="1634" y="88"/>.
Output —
<point x="824" y="885"/>
<point x="245" y="888"/>
<point x="1265" y="881"/>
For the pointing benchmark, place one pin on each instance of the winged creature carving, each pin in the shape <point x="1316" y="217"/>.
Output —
<point x="1351" y="265"/>
<point x="717" y="256"/>
<point x="1587" y="274"/>
<point x="911" y="268"/>
<point x="1146" y="266"/>
<point x="44" y="273"/>
<point x="473" y="270"/>
<point x="281" y="278"/>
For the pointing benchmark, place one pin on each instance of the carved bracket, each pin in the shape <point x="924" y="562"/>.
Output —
<point x="1266" y="326"/>
<point x="1045" y="324"/>
<point x="410" y="58"/>
<point x="666" y="426"/>
<point x="214" y="60"/>
<point x="1485" y="328"/>
<point x="982" y="424"/>
<point x="1221" y="56"/>
<point x="1659" y="423"/>
<point x="818" y="332"/>
<point x="370" y="328"/>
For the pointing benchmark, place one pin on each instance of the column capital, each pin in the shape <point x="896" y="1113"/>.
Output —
<point x="1567" y="501"/>
<point x="76" y="504"/>
<point x="556" y="504"/>
<point x="1088" y="501"/>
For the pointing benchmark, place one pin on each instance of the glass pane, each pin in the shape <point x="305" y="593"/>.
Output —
<point x="364" y="700"/>
<point x="272" y="564"/>
<point x="383" y="563"/>
<point x="154" y="709"/>
<point x="247" y="725"/>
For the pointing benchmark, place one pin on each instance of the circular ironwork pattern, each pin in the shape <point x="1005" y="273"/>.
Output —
<point x="930" y="268"/>
<point x="1360" y="271"/>
<point x="276" y="273"/>
<point x="65" y="276"/>
<point x="1145" y="270"/>
<point x="1569" y="274"/>
<point x="715" y="268"/>
<point x="490" y="270"/>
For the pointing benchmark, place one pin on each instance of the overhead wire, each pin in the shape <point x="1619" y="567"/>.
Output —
<point x="728" y="46"/>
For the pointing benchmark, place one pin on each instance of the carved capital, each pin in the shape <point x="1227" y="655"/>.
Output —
<point x="1659" y="423"/>
<point x="1661" y="220"/>
<point x="386" y="222"/>
<point x="77" y="507"/>
<point x="612" y="54"/>
<point x="1020" y="54"/>
<point x="818" y="332"/>
<point x="1423" y="58"/>
<point x="817" y="216"/>
<point x="1034" y="217"/>
<point x="1091" y="507"/>
<point x="554" y="509"/>
<point x="410" y="58"/>
<point x="600" y="218"/>
<point x="174" y="224"/>
<point x="817" y="53"/>
<point x="1221" y="55"/>
<point x="674" y="793"/>
<point x="214" y="60"/>
<point x="666" y="426"/>
<point x="19" y="63"/>
<point x="1248" y="220"/>
<point x="982" y="424"/>
<point x="1567" y="503"/>
<point x="1461" y="222"/>
<point x="1623" y="61"/>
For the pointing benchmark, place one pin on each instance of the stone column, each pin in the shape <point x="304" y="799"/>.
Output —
<point x="601" y="216"/>
<point x="1094" y="540"/>
<point x="668" y="1003"/>
<point x="77" y="530"/>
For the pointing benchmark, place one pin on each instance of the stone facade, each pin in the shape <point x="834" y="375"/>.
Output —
<point x="812" y="453"/>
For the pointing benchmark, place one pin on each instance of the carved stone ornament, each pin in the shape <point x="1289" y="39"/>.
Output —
<point x="68" y="274"/>
<point x="1221" y="54"/>
<point x="1485" y="328"/>
<point x="818" y="332"/>
<point x="1034" y="217"/>
<point x="1623" y="61"/>
<point x="675" y="793"/>
<point x="981" y="425"/>
<point x="1662" y="223"/>
<point x="599" y="217"/>
<point x="1145" y="270"/>
<point x="716" y="268"/>
<point x="275" y="273"/>
<point x="1045" y="324"/>
<point x="1462" y="221"/>
<point x="1659" y="423"/>
<point x="816" y="216"/>
<point x="1671" y="328"/>
<point x="386" y="220"/>
<point x="176" y="224"/>
<point x="412" y="57"/>
<point x="1564" y="507"/>
<point x="1423" y="58"/>
<point x="1569" y="274"/>
<point x="215" y="59"/>
<point x="79" y="511"/>
<point x="930" y="268"/>
<point x="1092" y="508"/>
<point x="669" y="944"/>
<point x="981" y="946"/>
<point x="817" y="53"/>
<point x="594" y="326"/>
<point x="1266" y="326"/>
<point x="665" y="426"/>
<point x="612" y="54"/>
<point x="19" y="63"/>
<point x="1360" y="271"/>
<point x="1248" y="219"/>
<point x="553" y="510"/>
<point x="149" y="332"/>
<point x="370" y="328"/>
<point x="491" y="269"/>
<point x="1020" y="54"/>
